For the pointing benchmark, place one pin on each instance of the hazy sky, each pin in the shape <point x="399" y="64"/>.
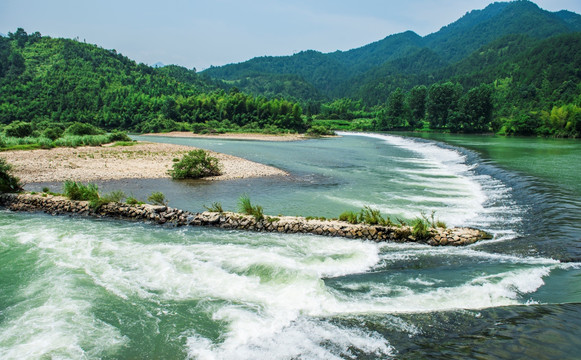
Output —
<point x="216" y="32"/>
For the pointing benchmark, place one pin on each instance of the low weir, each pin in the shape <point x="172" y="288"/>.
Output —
<point x="58" y="205"/>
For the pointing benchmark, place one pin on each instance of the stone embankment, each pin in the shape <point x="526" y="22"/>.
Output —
<point x="57" y="205"/>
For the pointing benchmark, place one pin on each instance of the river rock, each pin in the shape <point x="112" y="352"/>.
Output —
<point x="56" y="205"/>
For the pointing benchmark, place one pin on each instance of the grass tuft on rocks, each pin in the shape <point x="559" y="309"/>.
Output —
<point x="245" y="206"/>
<point x="157" y="198"/>
<point x="421" y="226"/>
<point x="349" y="216"/>
<point x="215" y="207"/>
<point x="81" y="192"/>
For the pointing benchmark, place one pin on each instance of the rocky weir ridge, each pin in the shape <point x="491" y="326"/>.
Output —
<point x="58" y="205"/>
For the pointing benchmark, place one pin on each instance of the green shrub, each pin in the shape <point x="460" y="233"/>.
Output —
<point x="350" y="217"/>
<point x="78" y="191"/>
<point x="371" y="216"/>
<point x="246" y="207"/>
<point x="198" y="127"/>
<point x="194" y="165"/>
<point x="52" y="133"/>
<point x="215" y="207"/>
<point x="319" y="130"/>
<point x="81" y="129"/>
<point x="45" y="189"/>
<point x="45" y="143"/>
<point x="258" y="213"/>
<point x="131" y="200"/>
<point x="8" y="182"/>
<point x="18" y="129"/>
<point x="401" y="222"/>
<point x="114" y="196"/>
<point x="436" y="223"/>
<point x="85" y="140"/>
<point x="118" y="136"/>
<point x="420" y="228"/>
<point x="157" y="198"/>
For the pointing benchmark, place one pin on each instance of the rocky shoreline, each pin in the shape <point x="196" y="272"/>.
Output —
<point x="58" y="205"/>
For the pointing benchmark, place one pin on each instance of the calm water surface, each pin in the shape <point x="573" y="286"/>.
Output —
<point x="79" y="288"/>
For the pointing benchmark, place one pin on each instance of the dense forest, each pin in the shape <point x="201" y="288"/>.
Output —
<point x="511" y="68"/>
<point x="53" y="83"/>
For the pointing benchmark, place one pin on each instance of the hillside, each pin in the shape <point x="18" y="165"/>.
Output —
<point x="48" y="81"/>
<point x="352" y="73"/>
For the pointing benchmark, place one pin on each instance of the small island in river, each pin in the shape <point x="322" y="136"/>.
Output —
<point x="140" y="161"/>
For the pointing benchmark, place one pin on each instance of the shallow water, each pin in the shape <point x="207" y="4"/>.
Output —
<point x="81" y="288"/>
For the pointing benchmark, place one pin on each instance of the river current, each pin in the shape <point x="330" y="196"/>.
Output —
<point x="74" y="288"/>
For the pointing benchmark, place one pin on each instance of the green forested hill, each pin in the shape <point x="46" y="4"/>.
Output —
<point x="511" y="68"/>
<point x="535" y="87"/>
<point x="358" y="72"/>
<point x="61" y="81"/>
<point x="322" y="71"/>
<point x="369" y="56"/>
<point x="480" y="27"/>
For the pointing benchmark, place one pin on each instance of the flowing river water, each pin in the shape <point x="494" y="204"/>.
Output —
<point x="84" y="288"/>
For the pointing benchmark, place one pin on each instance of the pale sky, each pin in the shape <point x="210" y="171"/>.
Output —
<point x="199" y="33"/>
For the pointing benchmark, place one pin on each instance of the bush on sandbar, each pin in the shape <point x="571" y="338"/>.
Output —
<point x="194" y="165"/>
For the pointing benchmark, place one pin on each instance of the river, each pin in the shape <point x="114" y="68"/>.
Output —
<point x="84" y="288"/>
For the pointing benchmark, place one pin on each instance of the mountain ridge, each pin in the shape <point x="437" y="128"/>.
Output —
<point x="332" y="73"/>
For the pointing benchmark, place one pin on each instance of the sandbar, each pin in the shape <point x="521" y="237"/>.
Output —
<point x="141" y="161"/>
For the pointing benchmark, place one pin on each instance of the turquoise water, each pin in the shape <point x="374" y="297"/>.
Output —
<point x="81" y="288"/>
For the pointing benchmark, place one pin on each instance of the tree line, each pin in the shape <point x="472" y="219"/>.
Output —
<point x="47" y="81"/>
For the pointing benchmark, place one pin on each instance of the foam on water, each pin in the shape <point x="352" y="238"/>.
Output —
<point x="268" y="296"/>
<point x="440" y="179"/>
<point x="303" y="338"/>
<point x="54" y="319"/>
<point x="269" y="292"/>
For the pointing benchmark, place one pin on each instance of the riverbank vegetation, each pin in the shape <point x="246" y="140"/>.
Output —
<point x="21" y="135"/>
<point x="46" y="83"/>
<point x="8" y="182"/>
<point x="511" y="68"/>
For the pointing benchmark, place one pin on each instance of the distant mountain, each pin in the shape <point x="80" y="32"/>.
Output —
<point x="480" y="27"/>
<point x="405" y="59"/>
<point x="377" y="53"/>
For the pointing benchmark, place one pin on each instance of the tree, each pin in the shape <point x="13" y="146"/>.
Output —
<point x="417" y="103"/>
<point x="20" y="36"/>
<point x="442" y="103"/>
<point x="396" y="107"/>
<point x="475" y="113"/>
